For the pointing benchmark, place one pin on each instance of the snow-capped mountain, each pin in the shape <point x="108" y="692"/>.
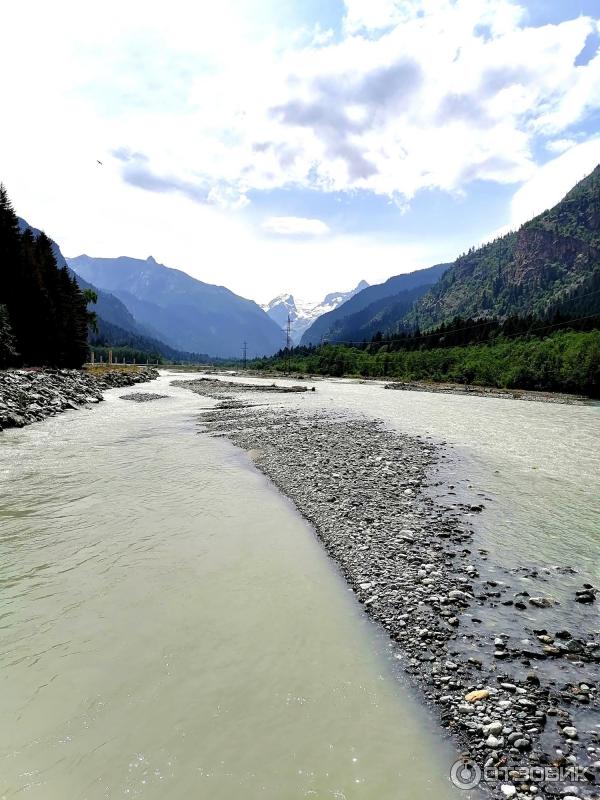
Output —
<point x="303" y="314"/>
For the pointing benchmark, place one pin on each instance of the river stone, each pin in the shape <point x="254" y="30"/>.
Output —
<point x="494" y="728"/>
<point x="478" y="694"/>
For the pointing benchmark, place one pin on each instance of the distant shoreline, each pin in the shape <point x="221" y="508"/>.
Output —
<point x="32" y="395"/>
<point x="471" y="390"/>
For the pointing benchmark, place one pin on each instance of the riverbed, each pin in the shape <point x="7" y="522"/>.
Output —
<point x="171" y="628"/>
<point x="535" y="466"/>
<point x="522" y="630"/>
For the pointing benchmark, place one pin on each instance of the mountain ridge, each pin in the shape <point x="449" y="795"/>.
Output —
<point x="534" y="270"/>
<point x="329" y="326"/>
<point x="302" y="315"/>
<point x="184" y="312"/>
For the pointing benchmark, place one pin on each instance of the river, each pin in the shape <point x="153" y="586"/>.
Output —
<point x="172" y="629"/>
<point x="534" y="465"/>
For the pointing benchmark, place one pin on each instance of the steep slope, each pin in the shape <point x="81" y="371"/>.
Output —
<point x="280" y="307"/>
<point x="382" y="316"/>
<point x="109" y="335"/>
<point x="185" y="313"/>
<point x="551" y="263"/>
<point x="116" y="324"/>
<point x="108" y="307"/>
<point x="329" y="326"/>
<point x="302" y="315"/>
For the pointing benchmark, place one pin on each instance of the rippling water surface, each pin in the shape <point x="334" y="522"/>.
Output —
<point x="171" y="629"/>
<point x="538" y="464"/>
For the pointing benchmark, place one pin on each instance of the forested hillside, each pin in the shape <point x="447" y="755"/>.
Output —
<point x="551" y="264"/>
<point x="43" y="313"/>
<point x="389" y="300"/>
<point x="116" y="328"/>
<point x="186" y="313"/>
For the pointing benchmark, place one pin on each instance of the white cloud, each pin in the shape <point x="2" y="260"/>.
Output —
<point x="450" y="91"/>
<point x="295" y="226"/>
<point x="553" y="180"/>
<point x="226" y="102"/>
<point x="560" y="145"/>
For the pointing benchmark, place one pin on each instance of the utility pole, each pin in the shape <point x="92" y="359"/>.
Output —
<point x="245" y="354"/>
<point x="288" y="340"/>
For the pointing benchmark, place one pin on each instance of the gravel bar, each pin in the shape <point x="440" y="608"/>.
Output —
<point x="413" y="566"/>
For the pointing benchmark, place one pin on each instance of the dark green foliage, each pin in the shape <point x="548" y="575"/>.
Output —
<point x="552" y="264"/>
<point x="8" y="345"/>
<point x="46" y="309"/>
<point x="563" y="361"/>
<point x="126" y="355"/>
<point x="132" y="345"/>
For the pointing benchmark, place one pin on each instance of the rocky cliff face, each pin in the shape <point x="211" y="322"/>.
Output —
<point x="552" y="258"/>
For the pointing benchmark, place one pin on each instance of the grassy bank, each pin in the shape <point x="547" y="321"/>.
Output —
<point x="566" y="361"/>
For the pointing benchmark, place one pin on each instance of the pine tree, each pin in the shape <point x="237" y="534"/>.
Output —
<point x="46" y="310"/>
<point x="8" y="350"/>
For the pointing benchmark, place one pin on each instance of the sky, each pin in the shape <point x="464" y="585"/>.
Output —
<point x="294" y="145"/>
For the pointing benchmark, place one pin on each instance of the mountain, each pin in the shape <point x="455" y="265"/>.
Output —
<point x="302" y="315"/>
<point x="382" y="301"/>
<point x="108" y="307"/>
<point x="184" y="312"/>
<point x="551" y="264"/>
<point x="116" y="325"/>
<point x="112" y="336"/>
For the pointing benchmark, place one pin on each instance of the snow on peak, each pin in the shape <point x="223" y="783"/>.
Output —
<point x="303" y="314"/>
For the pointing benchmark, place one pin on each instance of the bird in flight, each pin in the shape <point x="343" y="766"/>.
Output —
<point x="99" y="162"/>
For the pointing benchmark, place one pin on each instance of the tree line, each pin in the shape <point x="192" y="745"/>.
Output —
<point x="558" y="356"/>
<point x="44" y="317"/>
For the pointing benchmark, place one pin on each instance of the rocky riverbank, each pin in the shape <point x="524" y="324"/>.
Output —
<point x="521" y="700"/>
<point x="31" y="395"/>
<point x="488" y="391"/>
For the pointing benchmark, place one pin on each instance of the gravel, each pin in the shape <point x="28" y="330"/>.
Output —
<point x="411" y="563"/>
<point x="31" y="395"/>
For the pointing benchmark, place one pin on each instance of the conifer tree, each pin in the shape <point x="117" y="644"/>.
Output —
<point x="46" y="312"/>
<point x="8" y="350"/>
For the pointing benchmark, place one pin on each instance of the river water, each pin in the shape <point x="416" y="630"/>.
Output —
<point x="535" y="466"/>
<point x="170" y="627"/>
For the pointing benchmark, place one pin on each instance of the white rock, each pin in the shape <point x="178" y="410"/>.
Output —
<point x="508" y="790"/>
<point x="494" y="728"/>
<point x="493" y="742"/>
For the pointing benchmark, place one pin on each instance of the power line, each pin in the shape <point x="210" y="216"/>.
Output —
<point x="460" y="330"/>
<point x="288" y="340"/>
<point x="480" y="325"/>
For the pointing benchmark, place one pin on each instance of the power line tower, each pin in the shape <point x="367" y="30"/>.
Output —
<point x="245" y="354"/>
<point x="288" y="332"/>
<point x="288" y="340"/>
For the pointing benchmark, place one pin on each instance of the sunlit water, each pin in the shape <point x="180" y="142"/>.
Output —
<point x="170" y="628"/>
<point x="537" y="463"/>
